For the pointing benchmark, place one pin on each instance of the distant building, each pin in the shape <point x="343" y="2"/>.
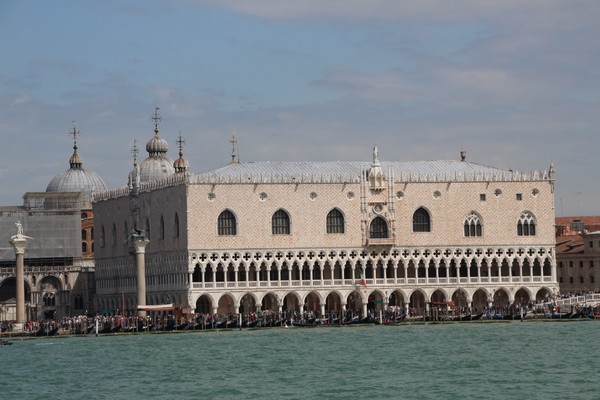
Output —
<point x="324" y="236"/>
<point x="59" y="261"/>
<point x="578" y="253"/>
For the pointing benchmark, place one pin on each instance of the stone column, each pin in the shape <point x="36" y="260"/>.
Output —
<point x="19" y="242"/>
<point x="140" y="261"/>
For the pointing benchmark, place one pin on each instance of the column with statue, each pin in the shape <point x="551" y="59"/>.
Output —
<point x="19" y="243"/>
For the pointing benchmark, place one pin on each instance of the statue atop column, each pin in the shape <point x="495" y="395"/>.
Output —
<point x="19" y="236"/>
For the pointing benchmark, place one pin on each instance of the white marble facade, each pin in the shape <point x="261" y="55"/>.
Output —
<point x="331" y="235"/>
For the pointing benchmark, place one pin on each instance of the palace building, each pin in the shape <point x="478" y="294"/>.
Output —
<point x="324" y="236"/>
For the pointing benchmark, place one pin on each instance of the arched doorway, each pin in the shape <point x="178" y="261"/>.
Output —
<point x="226" y="305"/>
<point x="204" y="305"/>
<point x="480" y="300"/>
<point x="312" y="304"/>
<point x="417" y="303"/>
<point x="247" y="304"/>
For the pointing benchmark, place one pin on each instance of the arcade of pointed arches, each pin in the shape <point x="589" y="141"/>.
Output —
<point x="399" y="277"/>
<point x="362" y="299"/>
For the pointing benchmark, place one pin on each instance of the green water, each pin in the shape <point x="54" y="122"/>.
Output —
<point x="515" y="360"/>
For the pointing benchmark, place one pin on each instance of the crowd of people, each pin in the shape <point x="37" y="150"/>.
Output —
<point x="116" y="323"/>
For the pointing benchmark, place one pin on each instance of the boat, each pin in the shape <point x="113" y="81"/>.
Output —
<point x="5" y="342"/>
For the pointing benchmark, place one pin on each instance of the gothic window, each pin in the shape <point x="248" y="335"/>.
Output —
<point x="176" y="225"/>
<point x="125" y="232"/>
<point x="226" y="224"/>
<point x="473" y="225"/>
<point x="114" y="235"/>
<point x="280" y="223"/>
<point x="526" y="224"/>
<point x="161" y="228"/>
<point x="147" y="228"/>
<point x="421" y="221"/>
<point x="378" y="228"/>
<point x="335" y="221"/>
<point x="102" y="237"/>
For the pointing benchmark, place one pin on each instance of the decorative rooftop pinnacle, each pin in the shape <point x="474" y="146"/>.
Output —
<point x="181" y="164"/>
<point x="180" y="142"/>
<point x="75" y="161"/>
<point x="375" y="156"/>
<point x="234" y="151"/>
<point x="134" y="150"/>
<point x="156" y="118"/>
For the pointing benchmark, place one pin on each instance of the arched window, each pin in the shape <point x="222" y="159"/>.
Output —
<point x="125" y="232"/>
<point x="473" y="225"/>
<point x="378" y="229"/>
<point x="335" y="221"/>
<point x="102" y="237"/>
<point x="161" y="228"/>
<point x="226" y="224"/>
<point x="526" y="224"/>
<point x="114" y="235"/>
<point x="147" y="228"/>
<point x="280" y="223"/>
<point x="92" y="233"/>
<point x="83" y="234"/>
<point x="421" y="221"/>
<point x="83" y="247"/>
<point x="176" y="226"/>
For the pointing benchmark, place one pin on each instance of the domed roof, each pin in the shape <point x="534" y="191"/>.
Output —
<point x="76" y="178"/>
<point x="181" y="164"/>
<point x="157" y="165"/>
<point x="157" y="145"/>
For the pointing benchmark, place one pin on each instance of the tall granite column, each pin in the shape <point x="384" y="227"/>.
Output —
<point x="19" y="242"/>
<point x="140" y="261"/>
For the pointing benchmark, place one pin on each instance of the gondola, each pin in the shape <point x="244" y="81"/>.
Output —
<point x="306" y="324"/>
<point x="232" y="323"/>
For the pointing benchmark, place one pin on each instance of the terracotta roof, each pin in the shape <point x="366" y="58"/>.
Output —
<point x="564" y="225"/>
<point x="572" y="244"/>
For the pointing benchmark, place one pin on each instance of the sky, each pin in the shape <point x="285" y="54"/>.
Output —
<point x="516" y="84"/>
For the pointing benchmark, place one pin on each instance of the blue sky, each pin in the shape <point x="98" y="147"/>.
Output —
<point x="514" y="83"/>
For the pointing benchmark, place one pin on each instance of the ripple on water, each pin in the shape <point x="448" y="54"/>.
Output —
<point x="448" y="361"/>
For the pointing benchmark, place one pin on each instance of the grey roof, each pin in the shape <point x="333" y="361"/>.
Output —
<point x="353" y="167"/>
<point x="156" y="167"/>
<point x="350" y="171"/>
<point x="77" y="180"/>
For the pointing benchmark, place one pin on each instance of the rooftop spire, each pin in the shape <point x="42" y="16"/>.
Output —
<point x="134" y="150"/>
<point x="234" y="151"/>
<point x="75" y="161"/>
<point x="156" y="118"/>
<point x="181" y="164"/>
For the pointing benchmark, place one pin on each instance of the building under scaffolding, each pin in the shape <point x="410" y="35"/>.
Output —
<point x="58" y="260"/>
